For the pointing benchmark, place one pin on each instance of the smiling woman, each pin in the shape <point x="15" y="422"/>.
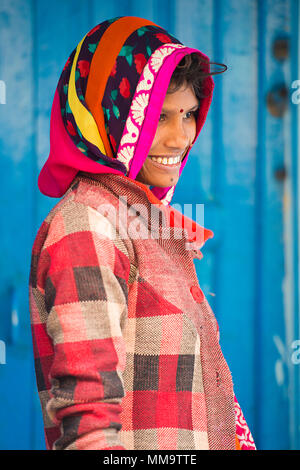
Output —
<point x="174" y="136"/>
<point x="126" y="346"/>
<point x="177" y="123"/>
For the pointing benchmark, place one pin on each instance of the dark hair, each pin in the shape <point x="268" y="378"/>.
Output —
<point x="192" y="70"/>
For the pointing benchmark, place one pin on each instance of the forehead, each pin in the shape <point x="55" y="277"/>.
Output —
<point x="183" y="97"/>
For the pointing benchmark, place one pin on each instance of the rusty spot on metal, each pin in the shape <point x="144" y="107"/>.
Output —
<point x="280" y="174"/>
<point x="281" y="48"/>
<point x="277" y="100"/>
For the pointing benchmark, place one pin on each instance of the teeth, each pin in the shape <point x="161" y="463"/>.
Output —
<point x="167" y="161"/>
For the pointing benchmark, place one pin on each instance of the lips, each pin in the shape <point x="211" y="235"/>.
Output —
<point x="165" y="162"/>
<point x="166" y="168"/>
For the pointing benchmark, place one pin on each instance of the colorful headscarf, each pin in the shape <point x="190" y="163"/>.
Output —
<point x="108" y="101"/>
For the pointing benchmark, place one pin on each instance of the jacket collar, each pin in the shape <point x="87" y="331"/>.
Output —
<point x="138" y="193"/>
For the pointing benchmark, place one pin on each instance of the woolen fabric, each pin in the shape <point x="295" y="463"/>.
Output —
<point x="126" y="346"/>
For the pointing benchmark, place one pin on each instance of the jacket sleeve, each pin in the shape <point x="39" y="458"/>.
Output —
<point x="86" y="301"/>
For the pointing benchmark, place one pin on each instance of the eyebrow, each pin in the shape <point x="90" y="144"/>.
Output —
<point x="192" y="108"/>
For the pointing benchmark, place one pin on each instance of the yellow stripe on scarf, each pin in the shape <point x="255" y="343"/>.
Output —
<point x="101" y="66"/>
<point x="84" y="119"/>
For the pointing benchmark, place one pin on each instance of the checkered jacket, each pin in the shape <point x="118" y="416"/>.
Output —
<point x="125" y="344"/>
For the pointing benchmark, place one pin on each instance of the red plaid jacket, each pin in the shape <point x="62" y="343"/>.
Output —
<point x="126" y="346"/>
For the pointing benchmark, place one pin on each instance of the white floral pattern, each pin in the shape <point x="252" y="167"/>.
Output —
<point x="126" y="154"/>
<point x="242" y="431"/>
<point x="131" y="135"/>
<point x="168" y="197"/>
<point x="147" y="82"/>
<point x="138" y="107"/>
<point x="158" y="57"/>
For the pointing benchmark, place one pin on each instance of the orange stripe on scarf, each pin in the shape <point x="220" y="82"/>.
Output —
<point x="237" y="443"/>
<point x="102" y="63"/>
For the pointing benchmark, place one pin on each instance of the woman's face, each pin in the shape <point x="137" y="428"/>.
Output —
<point x="175" y="132"/>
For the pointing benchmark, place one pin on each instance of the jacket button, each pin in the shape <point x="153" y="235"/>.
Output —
<point x="197" y="294"/>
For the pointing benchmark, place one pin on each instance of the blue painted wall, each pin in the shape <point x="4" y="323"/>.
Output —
<point x="250" y="269"/>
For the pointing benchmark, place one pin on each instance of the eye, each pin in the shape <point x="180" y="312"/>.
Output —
<point x="162" y="117"/>
<point x="191" y="114"/>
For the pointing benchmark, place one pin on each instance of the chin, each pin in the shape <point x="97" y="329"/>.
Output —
<point x="168" y="185"/>
<point x="164" y="184"/>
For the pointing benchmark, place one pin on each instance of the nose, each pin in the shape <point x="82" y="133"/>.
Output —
<point x="177" y="136"/>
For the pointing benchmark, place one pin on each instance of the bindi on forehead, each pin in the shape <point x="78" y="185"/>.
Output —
<point x="174" y="109"/>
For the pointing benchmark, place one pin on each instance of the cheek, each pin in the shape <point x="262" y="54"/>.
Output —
<point x="145" y="171"/>
<point x="155" y="142"/>
<point x="193" y="131"/>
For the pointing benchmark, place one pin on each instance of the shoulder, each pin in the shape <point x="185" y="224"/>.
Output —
<point x="86" y="211"/>
<point x="78" y="210"/>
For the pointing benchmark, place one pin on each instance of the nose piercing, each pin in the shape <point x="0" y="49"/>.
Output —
<point x="181" y="110"/>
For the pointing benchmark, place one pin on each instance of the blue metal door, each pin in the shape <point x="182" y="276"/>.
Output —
<point x="239" y="171"/>
<point x="243" y="169"/>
